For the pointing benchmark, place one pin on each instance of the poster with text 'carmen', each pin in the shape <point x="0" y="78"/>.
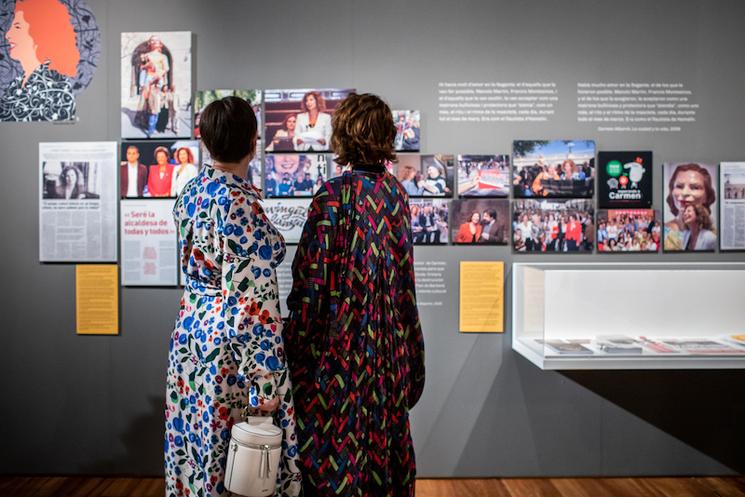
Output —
<point x="149" y="249"/>
<point x="77" y="202"/>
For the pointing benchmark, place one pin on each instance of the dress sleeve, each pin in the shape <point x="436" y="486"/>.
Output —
<point x="409" y="315"/>
<point x="251" y="297"/>
<point x="312" y="275"/>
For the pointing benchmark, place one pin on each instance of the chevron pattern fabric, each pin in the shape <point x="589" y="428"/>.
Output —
<point x="354" y="342"/>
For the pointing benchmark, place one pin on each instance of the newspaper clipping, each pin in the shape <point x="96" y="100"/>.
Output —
<point x="732" y="205"/>
<point x="77" y="202"/>
<point x="149" y="247"/>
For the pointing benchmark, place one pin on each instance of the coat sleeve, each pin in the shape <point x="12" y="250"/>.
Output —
<point x="409" y="315"/>
<point x="308" y="301"/>
<point x="251" y="297"/>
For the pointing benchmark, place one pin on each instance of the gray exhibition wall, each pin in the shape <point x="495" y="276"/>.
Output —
<point x="93" y="405"/>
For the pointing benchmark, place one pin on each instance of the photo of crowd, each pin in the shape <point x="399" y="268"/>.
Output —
<point x="628" y="230"/>
<point x="484" y="175"/>
<point x="408" y="132"/>
<point x="557" y="168"/>
<point x="690" y="207"/>
<point x="294" y="175"/>
<point x="203" y="98"/>
<point x="157" y="168"/>
<point x="426" y="175"/>
<point x="300" y="120"/>
<point x="553" y="226"/>
<point x="156" y="85"/>
<point x="429" y="221"/>
<point x="480" y="221"/>
<point x="70" y="180"/>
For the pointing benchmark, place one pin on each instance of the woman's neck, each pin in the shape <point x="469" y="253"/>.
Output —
<point x="29" y="66"/>
<point x="236" y="168"/>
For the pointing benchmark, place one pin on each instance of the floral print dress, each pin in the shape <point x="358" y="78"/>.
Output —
<point x="226" y="350"/>
<point x="354" y="341"/>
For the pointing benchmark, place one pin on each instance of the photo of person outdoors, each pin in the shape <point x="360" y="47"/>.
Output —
<point x="557" y="168"/>
<point x="157" y="168"/>
<point x="426" y="175"/>
<point x="70" y="180"/>
<point x="628" y="230"/>
<point x="156" y="85"/>
<point x="484" y="175"/>
<point x="408" y="131"/>
<point x="480" y="221"/>
<point x="429" y="221"/>
<point x="690" y="185"/>
<point x="51" y="54"/>
<point x="553" y="225"/>
<point x="312" y="110"/>
<point x="294" y="175"/>
<point x="203" y="98"/>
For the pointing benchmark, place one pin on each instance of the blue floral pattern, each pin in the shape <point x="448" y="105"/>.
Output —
<point x="226" y="350"/>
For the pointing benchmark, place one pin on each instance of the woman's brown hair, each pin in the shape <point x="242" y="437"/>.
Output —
<point x="363" y="131"/>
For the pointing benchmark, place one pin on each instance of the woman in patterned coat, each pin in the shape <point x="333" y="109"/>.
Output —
<point x="354" y="342"/>
<point x="226" y="351"/>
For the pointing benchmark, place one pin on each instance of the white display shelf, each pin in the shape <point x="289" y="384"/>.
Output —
<point x="629" y="315"/>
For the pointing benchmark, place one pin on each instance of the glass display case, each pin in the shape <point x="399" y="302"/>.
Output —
<point x="629" y="315"/>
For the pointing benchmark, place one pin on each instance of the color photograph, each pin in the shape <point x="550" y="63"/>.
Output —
<point x="294" y="175"/>
<point x="49" y="54"/>
<point x="408" y="130"/>
<point x="553" y="226"/>
<point x="690" y="203"/>
<point x="480" y="221"/>
<point x="484" y="175"/>
<point x="429" y="221"/>
<point x="157" y="168"/>
<point x="300" y="120"/>
<point x="426" y="175"/>
<point x="156" y="85"/>
<point x="557" y="168"/>
<point x="203" y="98"/>
<point x="628" y="230"/>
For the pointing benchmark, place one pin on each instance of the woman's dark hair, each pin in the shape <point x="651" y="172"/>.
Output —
<point x="320" y="102"/>
<point x="228" y="129"/>
<point x="711" y="195"/>
<point x="363" y="131"/>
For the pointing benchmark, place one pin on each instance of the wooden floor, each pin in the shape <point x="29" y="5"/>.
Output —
<point x="508" y="487"/>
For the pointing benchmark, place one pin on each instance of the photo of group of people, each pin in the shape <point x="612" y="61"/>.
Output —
<point x="690" y="207"/>
<point x="157" y="168"/>
<point x="156" y="85"/>
<point x="484" y="175"/>
<point x="557" y="168"/>
<point x="408" y="131"/>
<point x="429" y="221"/>
<point x="426" y="175"/>
<point x="300" y="120"/>
<point x="628" y="230"/>
<point x="294" y="175"/>
<point x="480" y="221"/>
<point x="553" y="225"/>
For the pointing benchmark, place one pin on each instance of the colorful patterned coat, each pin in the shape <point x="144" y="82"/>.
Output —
<point x="226" y="349"/>
<point x="354" y="342"/>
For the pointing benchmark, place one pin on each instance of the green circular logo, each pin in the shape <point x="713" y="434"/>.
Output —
<point x="614" y="168"/>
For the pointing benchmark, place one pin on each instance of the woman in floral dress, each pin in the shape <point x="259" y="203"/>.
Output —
<point x="354" y="342"/>
<point x="226" y="351"/>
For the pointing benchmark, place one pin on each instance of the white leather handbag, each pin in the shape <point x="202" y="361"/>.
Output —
<point x="253" y="457"/>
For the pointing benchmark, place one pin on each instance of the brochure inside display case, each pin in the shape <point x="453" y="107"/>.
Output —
<point x="629" y="315"/>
